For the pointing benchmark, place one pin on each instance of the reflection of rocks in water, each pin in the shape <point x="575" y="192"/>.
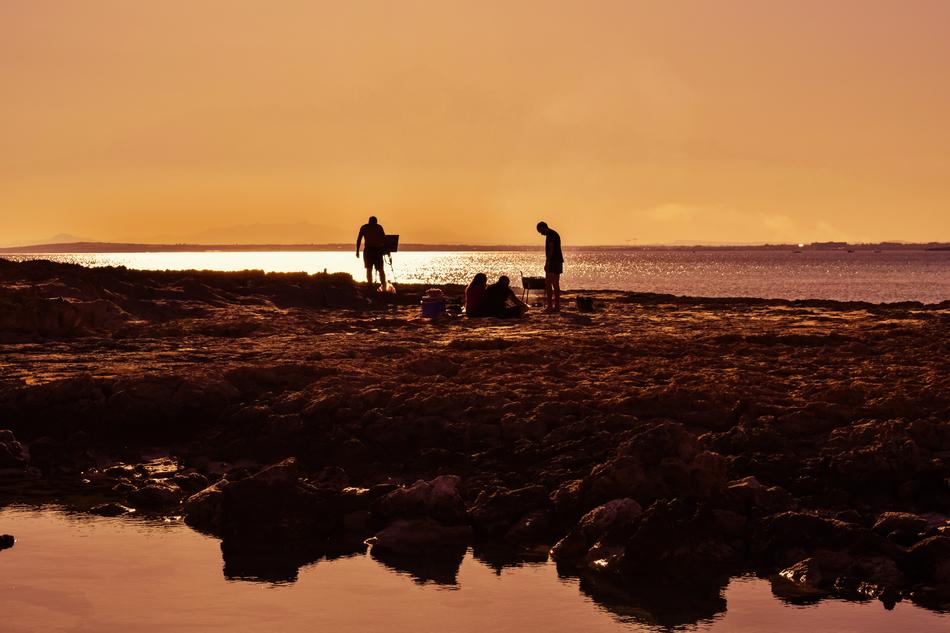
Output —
<point x="424" y="548"/>
<point x="274" y="562"/>
<point x="499" y="556"/>
<point x="662" y="604"/>
<point x="439" y="566"/>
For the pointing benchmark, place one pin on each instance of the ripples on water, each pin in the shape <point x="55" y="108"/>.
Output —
<point x="860" y="276"/>
<point x="72" y="572"/>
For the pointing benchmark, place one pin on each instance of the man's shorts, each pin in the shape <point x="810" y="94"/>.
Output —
<point x="373" y="256"/>
<point x="554" y="268"/>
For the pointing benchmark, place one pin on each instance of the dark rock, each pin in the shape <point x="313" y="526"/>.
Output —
<point x="662" y="462"/>
<point x="495" y="513"/>
<point x="803" y="579"/>
<point x="749" y="496"/>
<point x="7" y="541"/>
<point x="930" y="558"/>
<point x="438" y="499"/>
<point x="593" y="526"/>
<point x="420" y="537"/>
<point x="204" y="510"/>
<point x="11" y="451"/>
<point x="190" y="482"/>
<point x="110" y="510"/>
<point x="889" y="522"/>
<point x="675" y="542"/>
<point x="792" y="534"/>
<point x="155" y="495"/>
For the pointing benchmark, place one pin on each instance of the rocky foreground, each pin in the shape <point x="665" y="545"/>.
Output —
<point x="659" y="444"/>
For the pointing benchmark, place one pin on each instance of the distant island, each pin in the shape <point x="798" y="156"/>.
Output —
<point x="123" y="247"/>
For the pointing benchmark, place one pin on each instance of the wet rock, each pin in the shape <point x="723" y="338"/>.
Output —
<point x="789" y="533"/>
<point x="204" y="510"/>
<point x="110" y="509"/>
<point x="517" y="427"/>
<point x="155" y="495"/>
<point x="676" y="542"/>
<point x="190" y="482"/>
<point x="748" y="495"/>
<point x="804" y="578"/>
<point x="274" y="511"/>
<point x="7" y="541"/>
<point x="662" y="462"/>
<point x="119" y="471"/>
<point x="592" y="527"/>
<point x="420" y="537"/>
<point x="438" y="499"/>
<point x="930" y="558"/>
<point x="495" y="513"/>
<point x="889" y="521"/>
<point x="532" y="528"/>
<point x="11" y="451"/>
<point x="901" y="527"/>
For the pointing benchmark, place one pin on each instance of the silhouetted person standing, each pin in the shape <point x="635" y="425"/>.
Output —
<point x="553" y="267"/>
<point x="374" y="250"/>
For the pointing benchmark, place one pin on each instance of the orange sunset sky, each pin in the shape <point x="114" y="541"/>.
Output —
<point x="616" y="121"/>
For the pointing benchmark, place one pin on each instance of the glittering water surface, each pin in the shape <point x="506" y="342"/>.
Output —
<point x="78" y="573"/>
<point x="859" y="276"/>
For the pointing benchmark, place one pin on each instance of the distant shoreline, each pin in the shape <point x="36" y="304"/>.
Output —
<point x="117" y="247"/>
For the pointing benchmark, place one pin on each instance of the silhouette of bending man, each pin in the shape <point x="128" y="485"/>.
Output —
<point x="374" y="250"/>
<point x="553" y="267"/>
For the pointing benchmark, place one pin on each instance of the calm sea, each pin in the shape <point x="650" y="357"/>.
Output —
<point x="885" y="276"/>
<point x="79" y="573"/>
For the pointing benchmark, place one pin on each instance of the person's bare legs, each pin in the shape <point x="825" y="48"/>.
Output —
<point x="382" y="276"/>
<point x="552" y="292"/>
<point x="369" y="274"/>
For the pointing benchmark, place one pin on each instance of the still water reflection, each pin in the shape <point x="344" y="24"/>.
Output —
<point x="72" y="572"/>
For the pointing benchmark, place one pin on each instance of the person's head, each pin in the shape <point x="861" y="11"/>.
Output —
<point x="480" y="280"/>
<point x="543" y="228"/>
<point x="372" y="219"/>
<point x="504" y="282"/>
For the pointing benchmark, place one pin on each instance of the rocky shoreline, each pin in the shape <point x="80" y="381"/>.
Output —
<point x="659" y="442"/>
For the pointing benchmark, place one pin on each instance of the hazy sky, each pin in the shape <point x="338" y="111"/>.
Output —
<point x="616" y="121"/>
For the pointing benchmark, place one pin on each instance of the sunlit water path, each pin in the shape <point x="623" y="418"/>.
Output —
<point x="77" y="573"/>
<point x="885" y="276"/>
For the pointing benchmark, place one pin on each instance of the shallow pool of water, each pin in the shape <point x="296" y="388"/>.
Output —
<point x="72" y="572"/>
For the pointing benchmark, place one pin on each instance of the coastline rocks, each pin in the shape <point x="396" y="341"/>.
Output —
<point x="7" y="541"/>
<point x="661" y="462"/>
<point x="677" y="542"/>
<point x="438" y="499"/>
<point x="11" y="451"/>
<point x="26" y="317"/>
<point x="784" y="537"/>
<point x="110" y="510"/>
<point x="903" y="528"/>
<point x="271" y="508"/>
<point x="593" y="526"/>
<point x="155" y="495"/>
<point x="423" y="548"/>
<point x="749" y="496"/>
<point x="419" y="537"/>
<point x="500" y="512"/>
<point x="204" y="510"/>
<point x="931" y="558"/>
<point x="843" y="574"/>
